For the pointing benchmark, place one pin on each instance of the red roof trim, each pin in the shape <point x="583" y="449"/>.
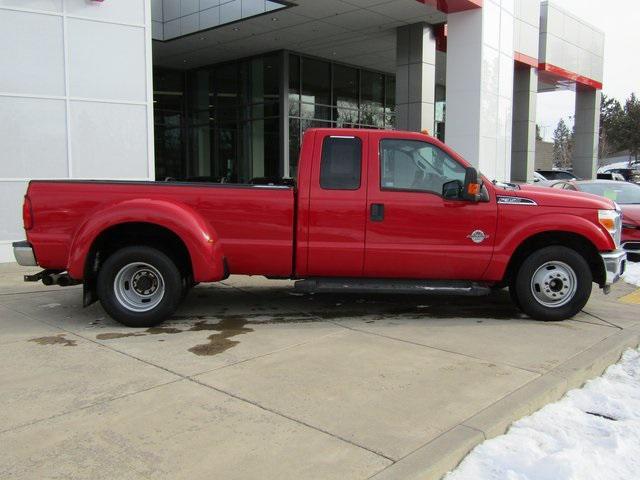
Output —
<point x="453" y="6"/>
<point x="525" y="59"/>
<point x="574" y="77"/>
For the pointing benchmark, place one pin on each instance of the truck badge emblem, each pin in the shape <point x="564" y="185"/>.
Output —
<point x="478" y="236"/>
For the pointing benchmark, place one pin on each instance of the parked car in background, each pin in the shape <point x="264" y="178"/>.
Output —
<point x="626" y="195"/>
<point x="631" y="173"/>
<point x="539" y="178"/>
<point x="611" y="176"/>
<point x="557" y="175"/>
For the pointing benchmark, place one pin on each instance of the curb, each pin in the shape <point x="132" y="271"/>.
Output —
<point x="433" y="460"/>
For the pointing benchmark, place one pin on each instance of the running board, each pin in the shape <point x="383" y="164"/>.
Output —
<point x="416" y="287"/>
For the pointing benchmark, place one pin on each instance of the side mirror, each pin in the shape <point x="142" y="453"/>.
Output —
<point x="452" y="190"/>
<point x="472" y="186"/>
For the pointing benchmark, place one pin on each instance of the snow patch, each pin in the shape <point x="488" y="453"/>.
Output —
<point x="632" y="273"/>
<point x="570" y="439"/>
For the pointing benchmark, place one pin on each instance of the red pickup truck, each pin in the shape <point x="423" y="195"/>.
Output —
<point x="371" y="210"/>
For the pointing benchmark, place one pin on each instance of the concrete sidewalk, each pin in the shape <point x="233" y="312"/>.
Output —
<point x="249" y="380"/>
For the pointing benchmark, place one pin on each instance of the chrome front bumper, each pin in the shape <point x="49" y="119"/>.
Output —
<point x="632" y="246"/>
<point x="614" y="265"/>
<point x="24" y="254"/>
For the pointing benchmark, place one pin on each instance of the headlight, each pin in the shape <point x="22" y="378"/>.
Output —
<point x="611" y="220"/>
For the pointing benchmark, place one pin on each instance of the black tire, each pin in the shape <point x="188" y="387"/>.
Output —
<point x="570" y="267"/>
<point x="168" y="276"/>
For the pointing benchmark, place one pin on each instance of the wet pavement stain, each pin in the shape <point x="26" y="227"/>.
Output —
<point x="229" y="327"/>
<point x="373" y="308"/>
<point x="55" y="340"/>
<point x="161" y="330"/>
<point x="113" y="336"/>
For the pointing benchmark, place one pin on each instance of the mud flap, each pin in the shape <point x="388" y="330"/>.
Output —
<point x="89" y="294"/>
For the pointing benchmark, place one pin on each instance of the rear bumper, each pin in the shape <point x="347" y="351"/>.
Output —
<point x="614" y="265"/>
<point x="24" y="254"/>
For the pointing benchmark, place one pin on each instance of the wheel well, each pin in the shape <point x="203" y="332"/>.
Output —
<point x="128" y="234"/>
<point x="566" y="239"/>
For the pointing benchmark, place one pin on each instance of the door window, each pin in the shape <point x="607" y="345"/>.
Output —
<point x="416" y="166"/>
<point x="341" y="163"/>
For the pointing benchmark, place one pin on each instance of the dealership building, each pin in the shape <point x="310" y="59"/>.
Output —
<point x="222" y="90"/>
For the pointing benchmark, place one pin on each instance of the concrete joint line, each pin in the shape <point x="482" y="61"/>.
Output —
<point x="437" y="348"/>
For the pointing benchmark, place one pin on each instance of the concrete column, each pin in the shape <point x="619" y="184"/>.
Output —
<point x="415" y="77"/>
<point x="587" y="136"/>
<point x="523" y="146"/>
<point x="480" y="86"/>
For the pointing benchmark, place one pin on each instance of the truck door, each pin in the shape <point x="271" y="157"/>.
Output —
<point x="337" y="205"/>
<point x="412" y="231"/>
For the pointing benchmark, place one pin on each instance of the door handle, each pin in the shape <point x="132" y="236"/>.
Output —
<point x="377" y="212"/>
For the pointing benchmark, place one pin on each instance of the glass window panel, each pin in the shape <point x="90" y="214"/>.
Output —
<point x="294" y="105"/>
<point x="294" y="146"/>
<point x="316" y="81"/>
<point x="227" y="85"/>
<point x="309" y="110"/>
<point x="264" y="79"/>
<point x="390" y="93"/>
<point x="294" y="76"/>
<point x="346" y="117"/>
<point x="415" y="165"/>
<point x="372" y="85"/>
<point x="372" y="115"/>
<point x="345" y="87"/>
<point x="169" y="155"/>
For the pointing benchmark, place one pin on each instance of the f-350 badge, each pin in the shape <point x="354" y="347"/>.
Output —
<point x="478" y="236"/>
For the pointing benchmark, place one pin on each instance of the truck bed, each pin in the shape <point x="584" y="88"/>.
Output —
<point x="266" y="247"/>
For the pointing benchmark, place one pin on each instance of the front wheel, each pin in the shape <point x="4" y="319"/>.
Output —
<point x="553" y="283"/>
<point x="139" y="286"/>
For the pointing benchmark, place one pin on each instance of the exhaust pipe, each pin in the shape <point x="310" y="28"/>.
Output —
<point x="50" y="279"/>
<point x="64" y="280"/>
<point x="60" y="279"/>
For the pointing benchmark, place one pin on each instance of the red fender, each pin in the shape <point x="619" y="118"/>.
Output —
<point x="199" y="237"/>
<point x="550" y="222"/>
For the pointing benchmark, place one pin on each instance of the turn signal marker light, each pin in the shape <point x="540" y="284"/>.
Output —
<point x="473" y="189"/>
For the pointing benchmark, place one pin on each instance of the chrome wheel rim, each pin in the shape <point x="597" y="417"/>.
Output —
<point x="554" y="284"/>
<point x="139" y="287"/>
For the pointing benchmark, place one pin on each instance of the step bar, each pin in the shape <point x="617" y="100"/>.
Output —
<point x="391" y="286"/>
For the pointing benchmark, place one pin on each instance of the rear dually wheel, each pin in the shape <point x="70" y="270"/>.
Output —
<point x="140" y="286"/>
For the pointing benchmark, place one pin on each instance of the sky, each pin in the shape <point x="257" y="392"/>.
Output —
<point x="620" y="21"/>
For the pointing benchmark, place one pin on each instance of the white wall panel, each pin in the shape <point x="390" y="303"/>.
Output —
<point x="33" y="138"/>
<point x="479" y="97"/>
<point x="106" y="140"/>
<point x="106" y="61"/>
<point x="31" y="53"/>
<point x="44" y="5"/>
<point x="11" y="213"/>
<point x="53" y="60"/>
<point x="569" y="43"/>
<point x="121" y="11"/>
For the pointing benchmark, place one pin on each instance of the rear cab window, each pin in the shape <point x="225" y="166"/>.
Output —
<point x="341" y="163"/>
